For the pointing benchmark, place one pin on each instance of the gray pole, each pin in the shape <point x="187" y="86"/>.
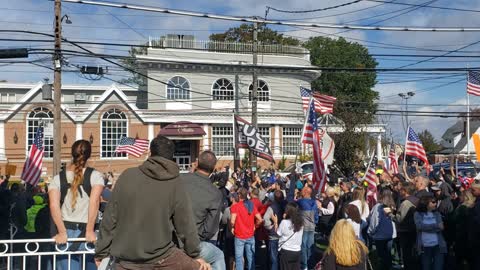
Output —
<point x="236" y="155"/>
<point x="57" y="87"/>
<point x="253" y="158"/>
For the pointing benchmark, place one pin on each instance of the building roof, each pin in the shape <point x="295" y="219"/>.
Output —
<point x="459" y="128"/>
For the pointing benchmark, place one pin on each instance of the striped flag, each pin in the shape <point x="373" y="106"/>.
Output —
<point x="323" y="103"/>
<point x="312" y="136"/>
<point x="33" y="165"/>
<point x="392" y="160"/>
<point x="414" y="147"/>
<point x="371" y="176"/>
<point x="473" y="83"/>
<point x="135" y="147"/>
<point x="371" y="179"/>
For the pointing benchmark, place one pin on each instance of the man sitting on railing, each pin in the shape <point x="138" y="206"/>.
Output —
<point x="137" y="223"/>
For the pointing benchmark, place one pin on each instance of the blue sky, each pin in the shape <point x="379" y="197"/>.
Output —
<point x="126" y="26"/>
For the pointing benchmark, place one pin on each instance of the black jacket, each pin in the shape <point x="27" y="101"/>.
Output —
<point x="207" y="203"/>
<point x="329" y="263"/>
<point x="148" y="206"/>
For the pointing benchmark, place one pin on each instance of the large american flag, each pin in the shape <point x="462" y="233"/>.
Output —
<point x="33" y="165"/>
<point x="371" y="176"/>
<point x="132" y="146"/>
<point x="392" y="160"/>
<point x="323" y="103"/>
<point x="414" y="147"/>
<point x="312" y="136"/>
<point x="473" y="83"/>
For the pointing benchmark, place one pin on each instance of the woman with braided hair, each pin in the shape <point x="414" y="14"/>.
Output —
<point x="74" y="202"/>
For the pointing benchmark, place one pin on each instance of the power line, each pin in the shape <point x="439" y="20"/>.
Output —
<point x="312" y="10"/>
<point x="416" y="5"/>
<point x="286" y="23"/>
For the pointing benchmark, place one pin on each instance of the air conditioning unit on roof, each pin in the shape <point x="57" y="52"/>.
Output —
<point x="80" y="97"/>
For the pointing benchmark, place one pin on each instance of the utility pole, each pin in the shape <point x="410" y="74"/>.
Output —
<point x="57" y="88"/>
<point x="253" y="158"/>
<point x="236" y="155"/>
<point x="406" y="96"/>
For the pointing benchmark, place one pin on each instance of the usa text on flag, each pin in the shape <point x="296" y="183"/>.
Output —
<point x="323" y="103"/>
<point x="135" y="147"/>
<point x="312" y="136"/>
<point x="473" y="83"/>
<point x="414" y="147"/>
<point x="33" y="165"/>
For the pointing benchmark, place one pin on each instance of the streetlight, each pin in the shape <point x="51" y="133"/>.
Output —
<point x="406" y="96"/>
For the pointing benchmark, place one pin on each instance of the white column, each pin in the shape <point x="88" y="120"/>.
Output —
<point x="78" y="131"/>
<point x="206" y="137"/>
<point x="151" y="131"/>
<point x="276" y="141"/>
<point x="379" y="147"/>
<point x="2" y="141"/>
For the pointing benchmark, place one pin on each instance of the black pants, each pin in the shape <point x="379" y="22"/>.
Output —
<point x="289" y="260"/>
<point x="407" y="247"/>
<point x="384" y="252"/>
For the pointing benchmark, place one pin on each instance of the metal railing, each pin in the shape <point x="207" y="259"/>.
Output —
<point x="227" y="47"/>
<point x="41" y="254"/>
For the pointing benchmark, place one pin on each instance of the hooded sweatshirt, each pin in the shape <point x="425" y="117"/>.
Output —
<point x="147" y="207"/>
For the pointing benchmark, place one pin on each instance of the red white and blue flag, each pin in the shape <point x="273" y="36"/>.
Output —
<point x="323" y="103"/>
<point x="473" y="83"/>
<point x="33" y="165"/>
<point x="392" y="160"/>
<point x="414" y="147"/>
<point x="132" y="146"/>
<point x="312" y="136"/>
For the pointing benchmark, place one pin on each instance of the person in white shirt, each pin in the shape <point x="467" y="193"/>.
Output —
<point x="360" y="202"/>
<point x="290" y="232"/>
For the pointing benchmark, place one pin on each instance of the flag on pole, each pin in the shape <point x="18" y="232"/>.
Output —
<point x="323" y="103"/>
<point x="248" y="137"/>
<point x="371" y="179"/>
<point x="312" y="136"/>
<point x="414" y="147"/>
<point x="392" y="160"/>
<point x="473" y="83"/>
<point x="33" y="165"/>
<point x="371" y="176"/>
<point x="132" y="146"/>
<point x="328" y="146"/>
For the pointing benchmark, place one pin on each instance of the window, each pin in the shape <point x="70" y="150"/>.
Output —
<point x="37" y="117"/>
<point x="8" y="98"/>
<point x="178" y="88"/>
<point x="263" y="93"/>
<point x="222" y="140"/>
<point x="291" y="140"/>
<point x="114" y="127"/>
<point x="223" y="90"/>
<point x="265" y="132"/>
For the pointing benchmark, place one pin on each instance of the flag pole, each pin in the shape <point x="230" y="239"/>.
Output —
<point x="468" y="122"/>
<point x="405" y="154"/>
<point x="369" y="163"/>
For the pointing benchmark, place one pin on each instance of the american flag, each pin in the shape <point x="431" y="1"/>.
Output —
<point x="371" y="176"/>
<point x="33" y="165"/>
<point x="392" y="160"/>
<point x="312" y="136"/>
<point x="323" y="103"/>
<point x="414" y="147"/>
<point x="132" y="146"/>
<point x="473" y="83"/>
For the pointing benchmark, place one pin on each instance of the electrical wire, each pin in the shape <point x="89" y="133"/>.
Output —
<point x="312" y="10"/>
<point x="415" y="5"/>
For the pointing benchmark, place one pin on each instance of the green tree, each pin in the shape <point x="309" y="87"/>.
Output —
<point x="356" y="98"/>
<point x="132" y="64"/>
<point x="428" y="141"/>
<point x="244" y="33"/>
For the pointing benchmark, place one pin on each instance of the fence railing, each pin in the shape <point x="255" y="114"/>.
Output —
<point x="44" y="254"/>
<point x="228" y="47"/>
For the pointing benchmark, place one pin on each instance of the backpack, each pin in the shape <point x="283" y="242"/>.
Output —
<point x="64" y="185"/>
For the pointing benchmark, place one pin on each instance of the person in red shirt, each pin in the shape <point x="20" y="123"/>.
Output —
<point x="242" y="220"/>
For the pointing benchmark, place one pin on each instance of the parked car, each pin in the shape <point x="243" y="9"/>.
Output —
<point x="463" y="168"/>
<point x="307" y="168"/>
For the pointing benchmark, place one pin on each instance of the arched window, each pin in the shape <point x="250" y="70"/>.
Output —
<point x="263" y="93"/>
<point x="41" y="116"/>
<point x="178" y="88"/>
<point x="223" y="90"/>
<point x="114" y="127"/>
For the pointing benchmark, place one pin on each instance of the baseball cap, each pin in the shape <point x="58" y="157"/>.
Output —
<point x="436" y="187"/>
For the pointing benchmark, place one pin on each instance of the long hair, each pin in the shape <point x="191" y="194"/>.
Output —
<point x="359" y="194"/>
<point x="81" y="151"/>
<point x="468" y="198"/>
<point x="344" y="244"/>
<point x="352" y="213"/>
<point x="386" y="198"/>
<point x="292" y="212"/>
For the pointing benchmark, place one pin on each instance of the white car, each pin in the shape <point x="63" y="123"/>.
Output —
<point x="306" y="169"/>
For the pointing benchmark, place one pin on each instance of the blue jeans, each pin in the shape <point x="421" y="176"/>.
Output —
<point x="75" y="260"/>
<point x="432" y="259"/>
<point x="247" y="245"/>
<point x="212" y="255"/>
<point x="308" y="240"/>
<point x="273" y="253"/>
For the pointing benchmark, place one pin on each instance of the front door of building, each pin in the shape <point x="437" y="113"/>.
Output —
<point x="182" y="154"/>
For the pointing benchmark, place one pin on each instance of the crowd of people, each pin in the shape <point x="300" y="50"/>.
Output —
<point x="153" y="217"/>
